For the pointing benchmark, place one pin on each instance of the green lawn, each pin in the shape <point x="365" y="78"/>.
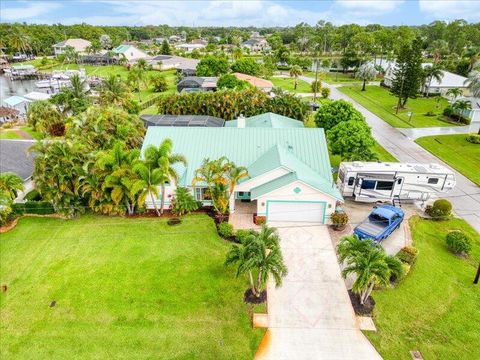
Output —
<point x="288" y="84"/>
<point x="457" y="152"/>
<point x="124" y="289"/>
<point x="334" y="77"/>
<point x="380" y="102"/>
<point x="12" y="134"/>
<point x="435" y="309"/>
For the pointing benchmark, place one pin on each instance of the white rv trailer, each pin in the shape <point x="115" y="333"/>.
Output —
<point x="386" y="182"/>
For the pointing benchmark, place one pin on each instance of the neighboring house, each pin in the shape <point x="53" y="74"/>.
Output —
<point x="15" y="157"/>
<point x="256" y="44"/>
<point x="176" y="38"/>
<point x="474" y="113"/>
<point x="268" y="120"/>
<point x="262" y="84"/>
<point x="79" y="45"/>
<point x="448" y="81"/>
<point x="181" y="120"/>
<point x="130" y="52"/>
<point x="164" y="62"/>
<point x="290" y="173"/>
<point x="195" y="83"/>
<point x="190" y="47"/>
<point x="199" y="41"/>
<point x="21" y="103"/>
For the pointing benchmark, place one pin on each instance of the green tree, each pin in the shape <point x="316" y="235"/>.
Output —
<point x="366" y="72"/>
<point x="212" y="66"/>
<point x="151" y="179"/>
<point x="295" y="72"/>
<point x="70" y="55"/>
<point x="408" y="73"/>
<point x="334" y="112"/>
<point x="19" y="41"/>
<point x="165" y="48"/>
<point x="352" y="140"/>
<point x="237" y="53"/>
<point x="45" y="118"/>
<point x="230" y="81"/>
<point x="246" y="66"/>
<point x="166" y="161"/>
<point x="258" y="257"/>
<point x="431" y="72"/>
<point x="114" y="91"/>
<point x="159" y="83"/>
<point x="454" y="93"/>
<point x="72" y="99"/>
<point x="10" y="184"/>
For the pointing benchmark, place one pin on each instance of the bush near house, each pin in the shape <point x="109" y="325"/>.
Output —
<point x="474" y="138"/>
<point x="440" y="210"/>
<point x="33" y="207"/>
<point x="408" y="255"/>
<point x="225" y="230"/>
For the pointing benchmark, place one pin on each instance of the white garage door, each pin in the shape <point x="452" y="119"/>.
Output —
<point x="295" y="211"/>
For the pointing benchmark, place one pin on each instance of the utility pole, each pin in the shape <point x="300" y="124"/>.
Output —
<point x="477" y="276"/>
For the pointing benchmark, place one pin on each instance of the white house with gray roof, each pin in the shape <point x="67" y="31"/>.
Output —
<point x="79" y="45"/>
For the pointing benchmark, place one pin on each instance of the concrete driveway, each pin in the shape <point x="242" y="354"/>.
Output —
<point x="465" y="198"/>
<point x="310" y="316"/>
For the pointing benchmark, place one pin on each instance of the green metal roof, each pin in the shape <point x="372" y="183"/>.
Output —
<point x="301" y="150"/>
<point x="121" y="49"/>
<point x="268" y="120"/>
<point x="272" y="185"/>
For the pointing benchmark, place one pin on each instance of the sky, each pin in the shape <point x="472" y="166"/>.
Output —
<point x="237" y="13"/>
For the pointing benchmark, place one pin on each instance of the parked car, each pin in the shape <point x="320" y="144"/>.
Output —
<point x="381" y="223"/>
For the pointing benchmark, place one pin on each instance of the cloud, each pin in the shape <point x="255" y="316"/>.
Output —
<point x="28" y="10"/>
<point x="449" y="10"/>
<point x="368" y="8"/>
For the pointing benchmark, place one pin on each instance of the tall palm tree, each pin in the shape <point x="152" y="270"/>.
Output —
<point x="295" y="72"/>
<point x="454" y="93"/>
<point x="352" y="245"/>
<point x="462" y="105"/>
<point x="259" y="256"/>
<point x="163" y="158"/>
<point x="366" y="72"/>
<point x="473" y="82"/>
<point x="152" y="178"/>
<point x="20" y="41"/>
<point x="431" y="72"/>
<point x="114" y="91"/>
<point x="10" y="184"/>
<point x="235" y="174"/>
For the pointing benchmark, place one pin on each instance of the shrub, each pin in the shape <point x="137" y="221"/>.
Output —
<point x="429" y="113"/>
<point x="334" y="112"/>
<point x="260" y="220"/>
<point x="230" y="81"/>
<point x="448" y="111"/>
<point x="184" y="202"/>
<point x="325" y="93"/>
<point x="316" y="86"/>
<point x="458" y="242"/>
<point x="241" y="235"/>
<point x="408" y="255"/>
<point x="440" y="210"/>
<point x="225" y="230"/>
<point x="339" y="219"/>
<point x="33" y="195"/>
<point x="159" y="83"/>
<point x="246" y="66"/>
<point x="474" y="138"/>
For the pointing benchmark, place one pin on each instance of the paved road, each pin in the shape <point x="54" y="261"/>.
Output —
<point x="465" y="197"/>
<point x="310" y="316"/>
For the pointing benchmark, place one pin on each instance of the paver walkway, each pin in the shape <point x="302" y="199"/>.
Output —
<point x="310" y="316"/>
<point x="465" y="198"/>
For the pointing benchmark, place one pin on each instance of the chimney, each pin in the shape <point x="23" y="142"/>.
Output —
<point x="241" y="122"/>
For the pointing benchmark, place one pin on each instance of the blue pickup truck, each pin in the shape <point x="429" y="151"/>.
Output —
<point x="380" y="224"/>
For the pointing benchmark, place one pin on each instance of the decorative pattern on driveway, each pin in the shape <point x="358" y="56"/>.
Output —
<point x="310" y="316"/>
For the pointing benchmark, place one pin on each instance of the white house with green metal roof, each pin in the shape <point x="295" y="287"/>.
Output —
<point x="130" y="52"/>
<point x="290" y="174"/>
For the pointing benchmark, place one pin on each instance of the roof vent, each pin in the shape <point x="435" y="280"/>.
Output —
<point x="241" y="122"/>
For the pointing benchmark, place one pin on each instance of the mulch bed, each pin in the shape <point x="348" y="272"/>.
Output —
<point x="250" y="298"/>
<point x="365" y="309"/>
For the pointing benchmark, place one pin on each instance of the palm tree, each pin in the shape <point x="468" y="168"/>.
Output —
<point x="431" y="72"/>
<point x="473" y="54"/>
<point x="372" y="266"/>
<point x="70" y="55"/>
<point x="295" y="72"/>
<point x="259" y="256"/>
<point x="20" y="41"/>
<point x="352" y="245"/>
<point x="366" y="72"/>
<point x="165" y="160"/>
<point x="152" y="178"/>
<point x="235" y="174"/>
<point x="114" y="91"/>
<point x="10" y="184"/>
<point x="454" y="93"/>
<point x="462" y="105"/>
<point x="473" y="82"/>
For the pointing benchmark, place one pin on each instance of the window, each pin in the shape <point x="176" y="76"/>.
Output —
<point x="351" y="180"/>
<point x="385" y="185"/>
<point x="368" y="184"/>
<point x="202" y="193"/>
<point x="241" y="193"/>
<point x="399" y="181"/>
<point x="433" y="181"/>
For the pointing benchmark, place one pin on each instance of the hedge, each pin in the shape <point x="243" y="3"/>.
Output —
<point x="33" y="207"/>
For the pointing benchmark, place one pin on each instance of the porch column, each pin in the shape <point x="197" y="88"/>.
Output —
<point x="231" y="203"/>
